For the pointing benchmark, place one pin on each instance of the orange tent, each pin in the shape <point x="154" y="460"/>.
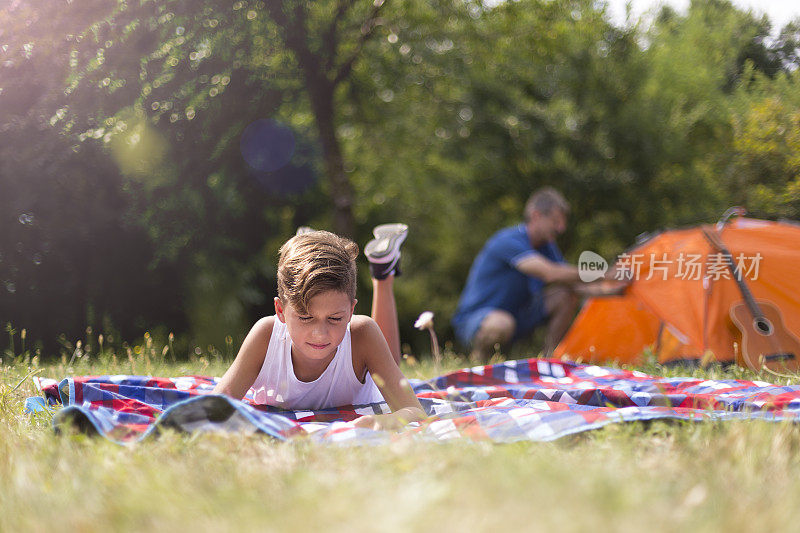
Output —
<point x="678" y="303"/>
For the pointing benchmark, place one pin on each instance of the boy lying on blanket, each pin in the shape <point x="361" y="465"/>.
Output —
<point x="314" y="352"/>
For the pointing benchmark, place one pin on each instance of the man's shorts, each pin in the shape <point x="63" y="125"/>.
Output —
<point x="531" y="316"/>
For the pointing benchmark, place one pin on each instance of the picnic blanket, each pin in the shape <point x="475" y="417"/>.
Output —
<point x="533" y="399"/>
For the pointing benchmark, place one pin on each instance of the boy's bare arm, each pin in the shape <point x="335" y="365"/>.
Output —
<point x="369" y="341"/>
<point x="245" y="368"/>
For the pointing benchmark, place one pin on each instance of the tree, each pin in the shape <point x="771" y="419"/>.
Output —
<point x="158" y="94"/>
<point x="459" y="112"/>
<point x="764" y="165"/>
<point x="191" y="134"/>
<point x="68" y="239"/>
<point x="300" y="50"/>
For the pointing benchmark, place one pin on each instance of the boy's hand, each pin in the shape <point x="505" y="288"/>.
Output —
<point x="377" y="422"/>
<point x="390" y="422"/>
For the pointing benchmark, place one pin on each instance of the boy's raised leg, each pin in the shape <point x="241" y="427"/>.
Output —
<point x="383" y="253"/>
<point x="384" y="312"/>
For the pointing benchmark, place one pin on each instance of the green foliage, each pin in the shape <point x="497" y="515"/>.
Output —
<point x="765" y="167"/>
<point x="121" y="125"/>
<point x="67" y="237"/>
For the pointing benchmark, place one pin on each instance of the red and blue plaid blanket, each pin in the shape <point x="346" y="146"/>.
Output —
<point x="533" y="399"/>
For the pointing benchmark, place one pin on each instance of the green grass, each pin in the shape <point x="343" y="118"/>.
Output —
<point x="660" y="476"/>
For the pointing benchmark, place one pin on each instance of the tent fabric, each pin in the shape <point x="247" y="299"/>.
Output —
<point x="679" y="301"/>
<point x="627" y="327"/>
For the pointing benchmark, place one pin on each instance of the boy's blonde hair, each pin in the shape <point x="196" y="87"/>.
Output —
<point x="313" y="263"/>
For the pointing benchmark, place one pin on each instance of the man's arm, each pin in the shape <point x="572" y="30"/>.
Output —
<point x="599" y="288"/>
<point x="551" y="272"/>
<point x="538" y="266"/>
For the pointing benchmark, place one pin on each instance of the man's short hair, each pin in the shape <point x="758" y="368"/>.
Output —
<point x="313" y="263"/>
<point x="544" y="200"/>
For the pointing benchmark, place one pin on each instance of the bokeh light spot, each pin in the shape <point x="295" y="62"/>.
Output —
<point x="267" y="145"/>
<point x="139" y="151"/>
<point x="287" y="181"/>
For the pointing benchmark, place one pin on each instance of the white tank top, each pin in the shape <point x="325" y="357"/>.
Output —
<point x="277" y="384"/>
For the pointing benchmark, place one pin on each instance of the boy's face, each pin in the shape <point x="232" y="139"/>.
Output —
<point x="317" y="334"/>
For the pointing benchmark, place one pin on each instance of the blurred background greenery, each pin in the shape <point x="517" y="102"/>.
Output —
<point x="155" y="154"/>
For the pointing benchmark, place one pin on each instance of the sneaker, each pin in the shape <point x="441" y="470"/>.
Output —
<point x="383" y="252"/>
<point x="302" y="230"/>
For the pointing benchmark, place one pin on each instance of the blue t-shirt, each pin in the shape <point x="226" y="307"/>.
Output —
<point x="495" y="282"/>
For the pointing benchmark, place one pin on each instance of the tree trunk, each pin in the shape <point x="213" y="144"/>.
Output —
<point x="341" y="190"/>
<point x="321" y="85"/>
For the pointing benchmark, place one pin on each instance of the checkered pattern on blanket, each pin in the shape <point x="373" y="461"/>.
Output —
<point x="533" y="399"/>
